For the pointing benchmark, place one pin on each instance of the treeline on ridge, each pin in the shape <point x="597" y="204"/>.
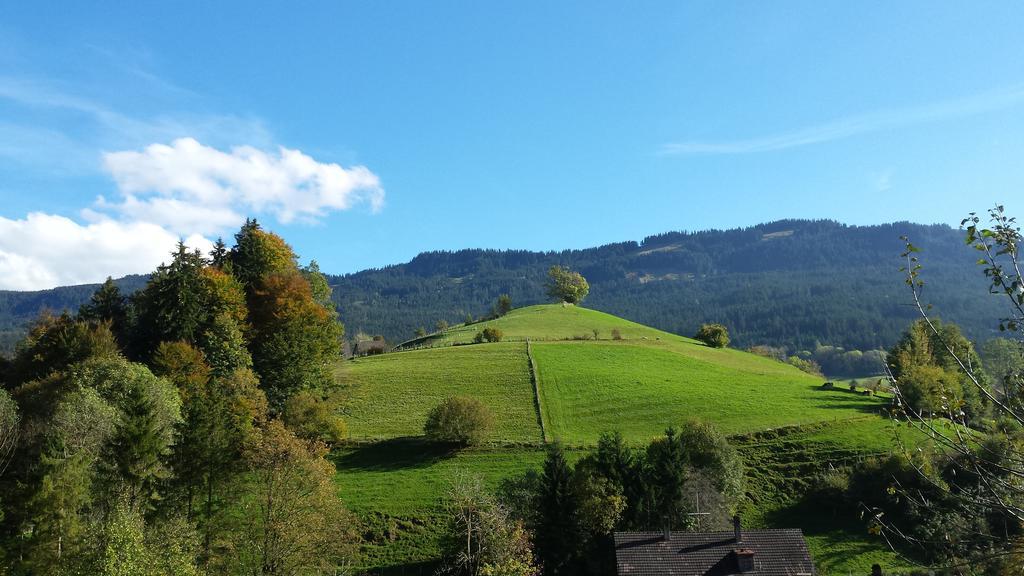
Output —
<point x="794" y="284"/>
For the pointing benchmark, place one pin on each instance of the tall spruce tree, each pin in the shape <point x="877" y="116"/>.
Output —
<point x="219" y="256"/>
<point x="172" y="306"/>
<point x="557" y="530"/>
<point x="133" y="455"/>
<point x="108" y="304"/>
<point x="666" y="470"/>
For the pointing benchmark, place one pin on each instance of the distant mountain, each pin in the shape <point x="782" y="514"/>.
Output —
<point x="792" y="283"/>
<point x="18" y="309"/>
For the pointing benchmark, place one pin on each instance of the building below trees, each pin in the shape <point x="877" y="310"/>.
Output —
<point x="761" y="552"/>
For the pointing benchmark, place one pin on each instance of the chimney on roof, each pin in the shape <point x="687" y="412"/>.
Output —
<point x="744" y="560"/>
<point x="737" y="532"/>
<point x="666" y="533"/>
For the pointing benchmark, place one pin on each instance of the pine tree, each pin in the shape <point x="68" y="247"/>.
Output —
<point x="133" y="456"/>
<point x="172" y="306"/>
<point x="557" y="531"/>
<point x="219" y="254"/>
<point x="107" y="304"/>
<point x="666" y="476"/>
<point x="58" y="508"/>
<point x="223" y="345"/>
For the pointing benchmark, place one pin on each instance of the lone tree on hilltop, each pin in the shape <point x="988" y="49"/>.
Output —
<point x="566" y="285"/>
<point x="714" y="335"/>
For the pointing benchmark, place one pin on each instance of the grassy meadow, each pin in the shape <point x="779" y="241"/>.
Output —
<point x="548" y="322"/>
<point x="787" y="428"/>
<point x="397" y="489"/>
<point x="588" y="388"/>
<point x="388" y="396"/>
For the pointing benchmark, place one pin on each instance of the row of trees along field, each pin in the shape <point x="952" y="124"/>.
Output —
<point x="181" y="430"/>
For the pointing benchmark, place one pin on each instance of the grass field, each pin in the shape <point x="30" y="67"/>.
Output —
<point x="787" y="428"/>
<point x="388" y="396"/>
<point x="397" y="488"/>
<point x="639" y="390"/>
<point x="781" y="466"/>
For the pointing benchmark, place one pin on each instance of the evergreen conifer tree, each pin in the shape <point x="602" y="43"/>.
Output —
<point x="133" y="455"/>
<point x="107" y="304"/>
<point x="557" y="532"/>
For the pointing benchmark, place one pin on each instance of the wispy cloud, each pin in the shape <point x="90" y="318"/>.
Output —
<point x="108" y="128"/>
<point x="854" y="125"/>
<point x="882" y="181"/>
<point x="137" y="62"/>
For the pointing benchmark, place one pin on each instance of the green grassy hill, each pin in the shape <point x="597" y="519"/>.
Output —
<point x="548" y="322"/>
<point x="786" y="425"/>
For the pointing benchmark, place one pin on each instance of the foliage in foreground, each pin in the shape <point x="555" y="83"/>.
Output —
<point x="145" y="441"/>
<point x="965" y="505"/>
<point x="572" y="510"/>
<point x="482" y="538"/>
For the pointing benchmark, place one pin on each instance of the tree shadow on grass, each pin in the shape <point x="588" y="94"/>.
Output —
<point x="847" y="541"/>
<point x="394" y="454"/>
<point x="839" y="399"/>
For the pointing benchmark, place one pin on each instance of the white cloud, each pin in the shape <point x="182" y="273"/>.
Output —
<point x="189" y="187"/>
<point x="182" y="190"/>
<point x="45" y="250"/>
<point x="854" y="125"/>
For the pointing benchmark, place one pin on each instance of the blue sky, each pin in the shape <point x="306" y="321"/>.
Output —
<point x="366" y="132"/>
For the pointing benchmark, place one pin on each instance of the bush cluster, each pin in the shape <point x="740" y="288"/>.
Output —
<point x="488" y="335"/>
<point x="459" y="420"/>
<point x="713" y="335"/>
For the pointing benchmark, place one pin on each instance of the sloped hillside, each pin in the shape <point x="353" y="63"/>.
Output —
<point x="560" y="374"/>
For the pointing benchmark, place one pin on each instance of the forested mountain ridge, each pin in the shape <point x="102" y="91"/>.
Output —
<point x="17" y="309"/>
<point x="793" y="283"/>
<point x="790" y="283"/>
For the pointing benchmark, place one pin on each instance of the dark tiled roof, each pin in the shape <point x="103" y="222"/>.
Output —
<point x="776" y="553"/>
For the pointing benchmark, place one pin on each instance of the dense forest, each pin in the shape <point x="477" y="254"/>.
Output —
<point x="793" y="284"/>
<point x="180" y="430"/>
